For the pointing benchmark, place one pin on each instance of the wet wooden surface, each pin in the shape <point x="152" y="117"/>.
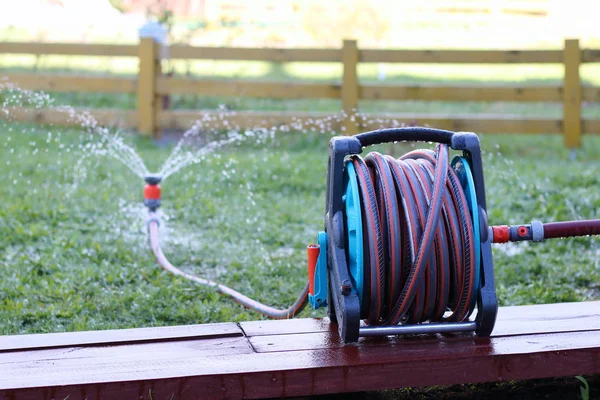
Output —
<point x="298" y="357"/>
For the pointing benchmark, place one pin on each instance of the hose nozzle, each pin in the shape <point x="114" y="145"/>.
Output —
<point x="152" y="192"/>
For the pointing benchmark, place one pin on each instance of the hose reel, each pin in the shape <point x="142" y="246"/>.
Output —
<point x="406" y="245"/>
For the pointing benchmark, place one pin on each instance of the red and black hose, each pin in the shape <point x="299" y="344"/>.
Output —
<point x="418" y="239"/>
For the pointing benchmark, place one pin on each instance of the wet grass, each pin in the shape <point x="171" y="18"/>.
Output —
<point x="76" y="258"/>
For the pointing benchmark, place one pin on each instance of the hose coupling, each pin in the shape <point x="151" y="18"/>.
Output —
<point x="152" y="192"/>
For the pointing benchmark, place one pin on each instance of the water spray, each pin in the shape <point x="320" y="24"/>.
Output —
<point x="406" y="245"/>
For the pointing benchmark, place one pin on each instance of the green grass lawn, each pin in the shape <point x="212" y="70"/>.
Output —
<point x="77" y="258"/>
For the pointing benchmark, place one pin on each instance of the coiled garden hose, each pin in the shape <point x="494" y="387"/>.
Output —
<point x="419" y="241"/>
<point x="299" y="304"/>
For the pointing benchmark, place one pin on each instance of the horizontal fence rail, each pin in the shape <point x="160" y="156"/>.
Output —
<point x="73" y="83"/>
<point x="462" y="56"/>
<point x="69" y="49"/>
<point x="245" y="88"/>
<point x="184" y="119"/>
<point x="151" y="84"/>
<point x="254" y="54"/>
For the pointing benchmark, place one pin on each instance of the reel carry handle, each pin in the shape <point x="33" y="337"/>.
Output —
<point x="405" y="134"/>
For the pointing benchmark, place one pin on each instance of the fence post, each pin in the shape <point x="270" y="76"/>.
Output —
<point x="350" y="95"/>
<point x="572" y="94"/>
<point x="148" y="101"/>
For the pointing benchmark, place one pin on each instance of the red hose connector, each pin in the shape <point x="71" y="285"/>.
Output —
<point x="152" y="192"/>
<point x="500" y="234"/>
<point x="518" y="233"/>
<point x="538" y="231"/>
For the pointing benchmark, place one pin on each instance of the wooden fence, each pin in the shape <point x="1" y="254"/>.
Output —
<point x="150" y="84"/>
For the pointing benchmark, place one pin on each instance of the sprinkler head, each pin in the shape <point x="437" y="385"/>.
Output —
<point x="153" y="179"/>
<point x="152" y="192"/>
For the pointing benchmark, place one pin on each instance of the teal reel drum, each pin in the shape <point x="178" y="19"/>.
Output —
<point x="406" y="246"/>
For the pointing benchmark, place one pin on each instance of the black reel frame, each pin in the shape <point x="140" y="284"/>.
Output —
<point x="343" y="305"/>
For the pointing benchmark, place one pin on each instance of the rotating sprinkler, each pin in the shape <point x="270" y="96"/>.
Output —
<point x="406" y="245"/>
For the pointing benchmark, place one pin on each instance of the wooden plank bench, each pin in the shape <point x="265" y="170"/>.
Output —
<point x="298" y="357"/>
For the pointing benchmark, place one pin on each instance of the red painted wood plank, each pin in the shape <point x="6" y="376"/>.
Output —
<point x="297" y="373"/>
<point x="536" y="319"/>
<point x="425" y="345"/>
<point x="549" y="325"/>
<point x="278" y="327"/>
<point x="550" y="311"/>
<point x="310" y="351"/>
<point x="310" y="381"/>
<point x="515" y="320"/>
<point x="303" y="357"/>
<point x="546" y="318"/>
<point x="138" y="335"/>
<point x="155" y="352"/>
